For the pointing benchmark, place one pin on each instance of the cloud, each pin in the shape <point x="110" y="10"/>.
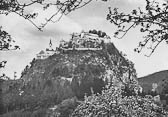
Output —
<point x="137" y="1"/>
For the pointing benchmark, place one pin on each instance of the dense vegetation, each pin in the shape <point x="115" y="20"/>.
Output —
<point x="113" y="103"/>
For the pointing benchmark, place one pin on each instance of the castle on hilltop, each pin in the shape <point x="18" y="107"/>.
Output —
<point x="92" y="40"/>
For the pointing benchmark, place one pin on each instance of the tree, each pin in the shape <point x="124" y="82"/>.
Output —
<point x="6" y="43"/>
<point x="25" y="70"/>
<point x="112" y="103"/>
<point x="153" y="21"/>
<point x="32" y="62"/>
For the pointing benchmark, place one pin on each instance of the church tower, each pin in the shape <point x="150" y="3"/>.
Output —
<point x="50" y="46"/>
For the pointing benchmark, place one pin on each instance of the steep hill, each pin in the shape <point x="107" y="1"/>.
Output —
<point x="77" y="70"/>
<point x="159" y="78"/>
<point x="66" y="74"/>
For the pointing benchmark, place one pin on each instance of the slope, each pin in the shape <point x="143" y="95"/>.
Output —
<point x="160" y="78"/>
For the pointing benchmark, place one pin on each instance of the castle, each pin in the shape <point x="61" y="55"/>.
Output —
<point x="92" y="40"/>
<point x="48" y="52"/>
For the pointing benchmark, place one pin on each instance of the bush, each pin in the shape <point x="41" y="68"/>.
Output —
<point x="112" y="103"/>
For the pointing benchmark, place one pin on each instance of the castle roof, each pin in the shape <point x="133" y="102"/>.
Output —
<point x="41" y="52"/>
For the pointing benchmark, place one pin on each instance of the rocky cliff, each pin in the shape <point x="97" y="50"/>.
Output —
<point x="77" y="70"/>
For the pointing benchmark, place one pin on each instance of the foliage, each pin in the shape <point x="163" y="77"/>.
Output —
<point x="165" y="87"/>
<point x="112" y="103"/>
<point x="152" y="20"/>
<point x="2" y="64"/>
<point x="33" y="95"/>
<point x="6" y="43"/>
<point x="28" y="67"/>
<point x="25" y="70"/>
<point x="32" y="62"/>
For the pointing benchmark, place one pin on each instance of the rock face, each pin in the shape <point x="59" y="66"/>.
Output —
<point x="80" y="71"/>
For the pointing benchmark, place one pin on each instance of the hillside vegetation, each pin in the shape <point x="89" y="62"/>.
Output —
<point x="159" y="78"/>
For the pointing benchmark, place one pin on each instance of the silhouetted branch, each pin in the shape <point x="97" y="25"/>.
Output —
<point x="6" y="42"/>
<point x="153" y="21"/>
<point x="2" y="64"/>
<point x="63" y="7"/>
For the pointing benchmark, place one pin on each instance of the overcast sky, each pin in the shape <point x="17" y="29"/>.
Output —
<point x="92" y="16"/>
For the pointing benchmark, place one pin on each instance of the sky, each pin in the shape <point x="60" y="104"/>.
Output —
<point x="92" y="16"/>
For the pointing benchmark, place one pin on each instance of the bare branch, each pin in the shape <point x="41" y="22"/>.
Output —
<point x="153" y="21"/>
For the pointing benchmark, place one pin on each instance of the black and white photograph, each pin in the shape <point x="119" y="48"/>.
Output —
<point x="83" y="58"/>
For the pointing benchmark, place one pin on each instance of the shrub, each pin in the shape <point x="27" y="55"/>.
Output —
<point x="111" y="103"/>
